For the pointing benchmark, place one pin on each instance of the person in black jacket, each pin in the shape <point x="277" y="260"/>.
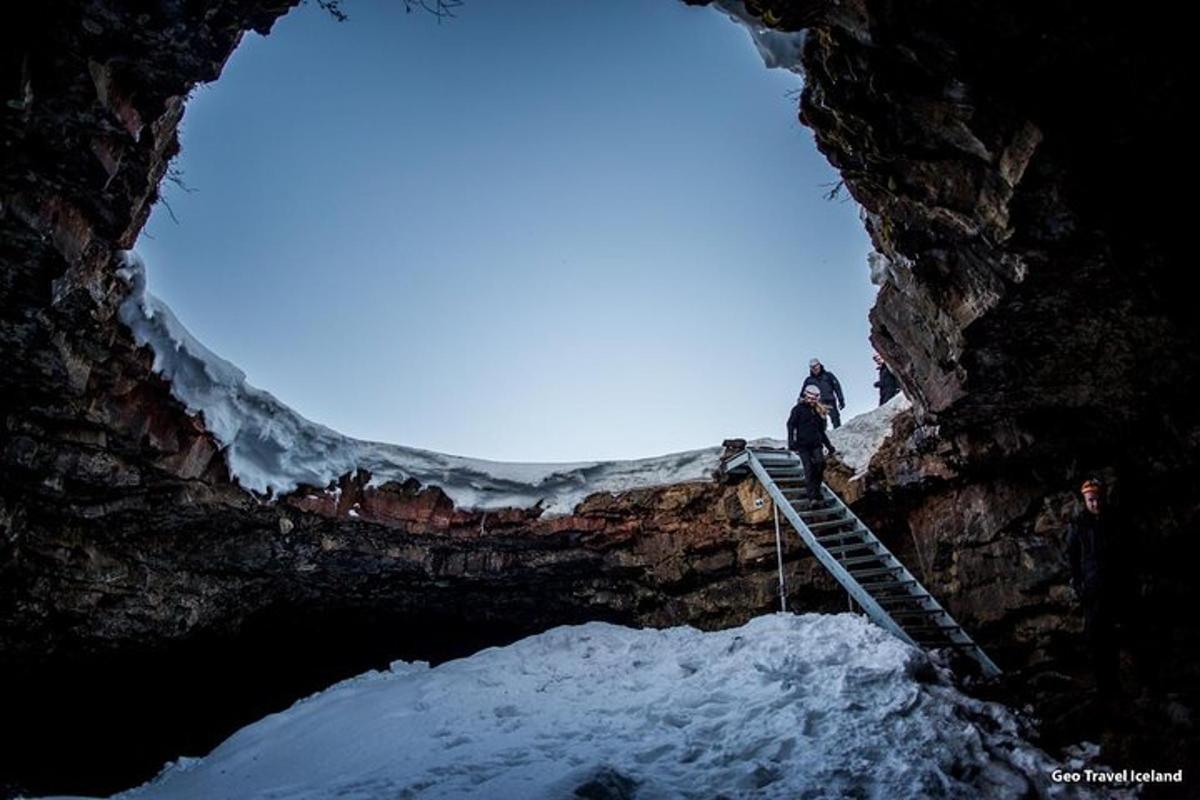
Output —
<point x="1092" y="551"/>
<point x="831" y="390"/>
<point x="806" y="435"/>
<point x="887" y="385"/>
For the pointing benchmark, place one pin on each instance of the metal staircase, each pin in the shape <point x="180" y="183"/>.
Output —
<point x="891" y="597"/>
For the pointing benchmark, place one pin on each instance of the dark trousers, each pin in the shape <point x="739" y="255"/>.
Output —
<point x="1099" y="625"/>
<point x="835" y="416"/>
<point x="813" y="459"/>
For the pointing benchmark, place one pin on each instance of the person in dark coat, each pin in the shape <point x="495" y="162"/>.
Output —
<point x="806" y="436"/>
<point x="1092" y="551"/>
<point x="887" y="385"/>
<point x="831" y="390"/>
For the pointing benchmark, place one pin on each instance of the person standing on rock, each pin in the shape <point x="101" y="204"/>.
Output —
<point x="887" y="385"/>
<point x="1092" y="551"/>
<point x="806" y="436"/>
<point x="831" y="390"/>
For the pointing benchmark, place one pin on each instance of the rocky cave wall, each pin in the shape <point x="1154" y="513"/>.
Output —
<point x="1016" y="163"/>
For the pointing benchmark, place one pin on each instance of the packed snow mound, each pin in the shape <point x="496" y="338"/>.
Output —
<point x="271" y="449"/>
<point x="786" y="706"/>
<point x="860" y="437"/>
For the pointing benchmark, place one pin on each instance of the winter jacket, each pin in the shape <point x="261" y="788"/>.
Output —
<point x="827" y="382"/>
<point x="887" y="385"/>
<point x="1092" y="551"/>
<point x="806" y="428"/>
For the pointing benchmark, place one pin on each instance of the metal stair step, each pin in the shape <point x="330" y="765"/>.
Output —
<point x="916" y="612"/>
<point x="846" y="535"/>
<point x="833" y="523"/>
<point x="892" y="589"/>
<point x="840" y="529"/>
<point x="870" y="572"/>
<point x="847" y="548"/>
<point x="873" y="558"/>
<point x="903" y="598"/>
<point x="908" y="608"/>
<point x="811" y="517"/>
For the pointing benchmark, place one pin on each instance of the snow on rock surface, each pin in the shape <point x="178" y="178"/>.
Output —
<point x="272" y="449"/>
<point x="859" y="438"/>
<point x="862" y="436"/>
<point x="815" y="706"/>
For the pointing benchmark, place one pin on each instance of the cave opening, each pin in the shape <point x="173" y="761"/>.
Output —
<point x="546" y="252"/>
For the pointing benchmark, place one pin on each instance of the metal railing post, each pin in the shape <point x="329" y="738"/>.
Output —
<point x="779" y="556"/>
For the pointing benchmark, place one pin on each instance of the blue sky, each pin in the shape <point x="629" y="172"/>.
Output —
<point x="542" y="231"/>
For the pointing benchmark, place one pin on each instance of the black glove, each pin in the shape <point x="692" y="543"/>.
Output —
<point x="842" y="405"/>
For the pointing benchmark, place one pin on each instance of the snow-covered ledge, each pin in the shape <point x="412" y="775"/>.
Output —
<point x="860" y="438"/>
<point x="272" y="450"/>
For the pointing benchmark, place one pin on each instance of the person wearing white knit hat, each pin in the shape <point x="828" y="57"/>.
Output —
<point x="806" y="437"/>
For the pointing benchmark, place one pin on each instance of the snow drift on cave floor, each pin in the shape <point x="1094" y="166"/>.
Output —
<point x="814" y="706"/>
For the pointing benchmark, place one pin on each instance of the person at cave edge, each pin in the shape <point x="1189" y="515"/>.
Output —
<point x="886" y="384"/>
<point x="831" y="390"/>
<point x="806" y="437"/>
